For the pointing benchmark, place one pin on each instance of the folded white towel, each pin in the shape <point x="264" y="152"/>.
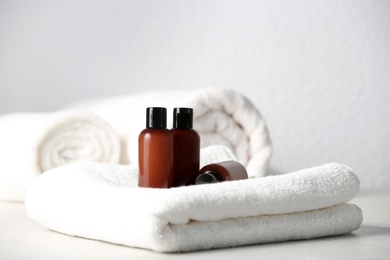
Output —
<point x="101" y="201"/>
<point x="221" y="116"/>
<point x="31" y="143"/>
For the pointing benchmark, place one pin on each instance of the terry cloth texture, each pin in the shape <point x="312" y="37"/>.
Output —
<point x="31" y="143"/>
<point x="102" y="202"/>
<point x="221" y="117"/>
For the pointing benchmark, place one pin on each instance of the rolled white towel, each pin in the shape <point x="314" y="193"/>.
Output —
<point x="101" y="201"/>
<point x="31" y="143"/>
<point x="221" y="117"/>
<point x="215" y="154"/>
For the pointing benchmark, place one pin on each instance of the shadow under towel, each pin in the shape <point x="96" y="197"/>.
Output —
<point x="102" y="202"/>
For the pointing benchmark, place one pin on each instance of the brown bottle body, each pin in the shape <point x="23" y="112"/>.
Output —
<point x="186" y="147"/>
<point x="155" y="157"/>
<point x="224" y="171"/>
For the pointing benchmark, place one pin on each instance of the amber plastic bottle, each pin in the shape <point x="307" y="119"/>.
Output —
<point x="155" y="151"/>
<point x="186" y="148"/>
<point x="223" y="171"/>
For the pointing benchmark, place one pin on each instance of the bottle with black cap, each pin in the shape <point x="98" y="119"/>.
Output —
<point x="222" y="171"/>
<point x="155" y="151"/>
<point x="186" y="148"/>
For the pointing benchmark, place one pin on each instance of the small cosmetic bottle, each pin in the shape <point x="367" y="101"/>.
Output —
<point x="186" y="148"/>
<point x="155" y="151"/>
<point x="223" y="171"/>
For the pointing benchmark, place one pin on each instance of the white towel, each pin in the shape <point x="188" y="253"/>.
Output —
<point x="31" y="143"/>
<point x="102" y="202"/>
<point x="221" y="116"/>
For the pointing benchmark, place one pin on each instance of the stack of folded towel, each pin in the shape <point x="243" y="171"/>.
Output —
<point x="102" y="202"/>
<point x="56" y="156"/>
<point x="31" y="143"/>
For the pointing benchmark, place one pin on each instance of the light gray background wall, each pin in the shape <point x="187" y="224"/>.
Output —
<point x="319" y="71"/>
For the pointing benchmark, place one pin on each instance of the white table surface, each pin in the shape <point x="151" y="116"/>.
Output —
<point x="22" y="238"/>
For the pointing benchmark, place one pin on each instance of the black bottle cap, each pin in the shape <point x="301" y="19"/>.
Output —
<point x="182" y="117"/>
<point x="156" y="117"/>
<point x="207" y="177"/>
